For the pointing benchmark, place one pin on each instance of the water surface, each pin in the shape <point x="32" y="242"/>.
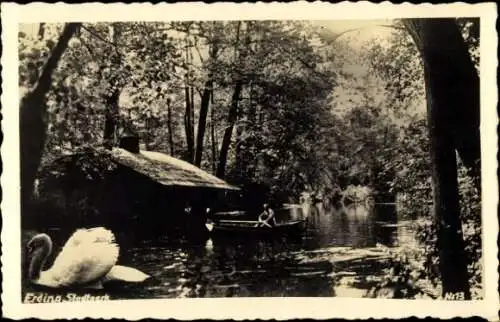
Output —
<point x="341" y="253"/>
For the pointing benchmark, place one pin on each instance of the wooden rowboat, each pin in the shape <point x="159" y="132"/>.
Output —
<point x="253" y="227"/>
<point x="234" y="213"/>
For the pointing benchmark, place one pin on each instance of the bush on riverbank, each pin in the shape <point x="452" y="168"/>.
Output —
<point x="417" y="268"/>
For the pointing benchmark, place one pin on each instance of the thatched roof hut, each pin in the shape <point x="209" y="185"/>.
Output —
<point x="168" y="170"/>
<point x="127" y="187"/>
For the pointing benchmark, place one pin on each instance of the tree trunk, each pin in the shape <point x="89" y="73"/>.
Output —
<point x="238" y="158"/>
<point x="231" y="120"/>
<point x="41" y="31"/>
<point x="239" y="58"/>
<point x="111" y="116"/>
<point x="191" y="125"/>
<point x="112" y="108"/>
<point x="169" y="126"/>
<point x="33" y="124"/>
<point x="187" y="125"/>
<point x="440" y="47"/>
<point x="204" y="106"/>
<point x="252" y="120"/>
<point x="213" y="138"/>
<point x="202" y="121"/>
<point x="188" y="115"/>
<point x="446" y="52"/>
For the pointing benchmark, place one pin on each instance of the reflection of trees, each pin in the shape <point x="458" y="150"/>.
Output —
<point x="347" y="226"/>
<point x="198" y="265"/>
<point x="315" y="233"/>
<point x="354" y="225"/>
<point x="386" y="230"/>
<point x="358" y="226"/>
<point x="251" y="268"/>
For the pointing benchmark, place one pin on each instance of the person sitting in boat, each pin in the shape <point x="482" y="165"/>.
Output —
<point x="267" y="217"/>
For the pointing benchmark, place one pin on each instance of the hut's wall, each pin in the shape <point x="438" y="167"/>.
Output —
<point x="124" y="201"/>
<point x="119" y="198"/>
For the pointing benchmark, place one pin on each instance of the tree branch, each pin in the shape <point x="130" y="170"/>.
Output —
<point x="98" y="36"/>
<point x="199" y="53"/>
<point x="392" y="27"/>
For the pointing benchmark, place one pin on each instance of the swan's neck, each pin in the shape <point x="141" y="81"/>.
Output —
<point x="38" y="260"/>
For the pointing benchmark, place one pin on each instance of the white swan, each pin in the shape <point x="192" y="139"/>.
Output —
<point x="88" y="259"/>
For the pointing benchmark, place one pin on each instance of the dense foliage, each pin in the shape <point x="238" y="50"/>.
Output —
<point x="255" y="79"/>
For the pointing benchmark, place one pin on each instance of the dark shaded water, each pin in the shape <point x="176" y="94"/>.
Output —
<point x="339" y="254"/>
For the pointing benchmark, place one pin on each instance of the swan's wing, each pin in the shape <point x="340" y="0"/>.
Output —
<point x="92" y="235"/>
<point x="86" y="257"/>
<point x="125" y="274"/>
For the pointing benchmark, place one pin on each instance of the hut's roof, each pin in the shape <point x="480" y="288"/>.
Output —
<point x="167" y="170"/>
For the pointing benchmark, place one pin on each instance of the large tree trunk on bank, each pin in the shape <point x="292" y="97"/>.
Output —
<point x="447" y="56"/>
<point x="453" y="117"/>
<point x="33" y="125"/>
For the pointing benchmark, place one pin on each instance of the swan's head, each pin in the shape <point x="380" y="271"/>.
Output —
<point x="39" y="243"/>
<point x="38" y="249"/>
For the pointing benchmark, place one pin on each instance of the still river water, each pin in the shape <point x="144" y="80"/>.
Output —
<point x="341" y="253"/>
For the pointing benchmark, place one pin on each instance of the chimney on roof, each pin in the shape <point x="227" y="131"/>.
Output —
<point x="130" y="143"/>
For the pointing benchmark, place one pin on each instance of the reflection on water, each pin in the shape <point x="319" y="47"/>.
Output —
<point x="336" y="256"/>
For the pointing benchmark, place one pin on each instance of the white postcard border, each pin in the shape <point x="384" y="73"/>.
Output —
<point x="242" y="308"/>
